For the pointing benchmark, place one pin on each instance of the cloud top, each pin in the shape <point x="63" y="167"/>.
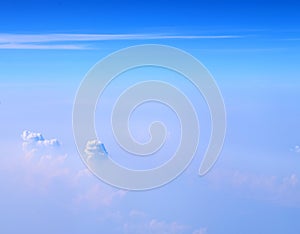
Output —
<point x="95" y="148"/>
<point x="33" y="141"/>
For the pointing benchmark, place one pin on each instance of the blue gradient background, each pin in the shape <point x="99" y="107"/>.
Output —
<point x="253" y="188"/>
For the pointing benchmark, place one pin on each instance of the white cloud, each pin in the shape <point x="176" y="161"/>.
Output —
<point x="279" y="189"/>
<point x="137" y="213"/>
<point x="200" y="231"/>
<point x="296" y="149"/>
<point x="35" y="143"/>
<point x="25" y="46"/>
<point x="49" y="41"/>
<point x="99" y="195"/>
<point x="139" y="222"/>
<point x="81" y="175"/>
<point x="290" y="181"/>
<point x="39" y="38"/>
<point x="43" y="161"/>
<point x="92" y="192"/>
<point x="95" y="148"/>
<point x="157" y="226"/>
<point x="44" y="165"/>
<point x="31" y="136"/>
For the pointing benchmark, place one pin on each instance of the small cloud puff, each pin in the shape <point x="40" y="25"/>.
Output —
<point x="156" y="226"/>
<point x="200" y="231"/>
<point x="37" y="140"/>
<point x="98" y="195"/>
<point x="140" y="222"/>
<point x="95" y="148"/>
<point x="292" y="180"/>
<point x="296" y="149"/>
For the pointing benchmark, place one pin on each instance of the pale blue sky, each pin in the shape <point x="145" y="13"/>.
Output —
<point x="251" y="48"/>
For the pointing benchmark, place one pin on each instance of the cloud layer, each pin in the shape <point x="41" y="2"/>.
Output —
<point x="44" y="166"/>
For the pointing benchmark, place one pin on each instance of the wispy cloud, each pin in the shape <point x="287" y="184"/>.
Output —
<point x="34" y="38"/>
<point x="22" y="46"/>
<point x="98" y="195"/>
<point x="284" y="190"/>
<point x="72" y="41"/>
<point x="200" y="231"/>
<point x="140" y="222"/>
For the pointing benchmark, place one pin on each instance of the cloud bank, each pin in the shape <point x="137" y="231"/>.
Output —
<point x="45" y="166"/>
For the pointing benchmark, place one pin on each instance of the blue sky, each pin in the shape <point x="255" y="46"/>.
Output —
<point x="250" y="47"/>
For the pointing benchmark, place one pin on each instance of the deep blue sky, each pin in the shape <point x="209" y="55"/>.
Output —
<point x="147" y="16"/>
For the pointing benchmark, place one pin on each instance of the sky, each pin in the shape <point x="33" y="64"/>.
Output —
<point x="252" y="50"/>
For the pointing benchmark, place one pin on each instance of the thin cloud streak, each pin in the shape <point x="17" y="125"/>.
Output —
<point x="40" y="38"/>
<point x="42" y="47"/>
<point x="28" y="41"/>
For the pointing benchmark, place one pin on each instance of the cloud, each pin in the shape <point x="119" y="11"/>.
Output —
<point x="43" y="161"/>
<point x="137" y="214"/>
<point x="39" y="38"/>
<point x="91" y="193"/>
<point x="35" y="142"/>
<point x="95" y="148"/>
<point x="21" y="46"/>
<point x="44" y="166"/>
<point x="70" y="41"/>
<point x="290" y="181"/>
<point x="99" y="195"/>
<point x="139" y="222"/>
<point x="279" y="189"/>
<point x="163" y="227"/>
<point x="296" y="149"/>
<point x="200" y="231"/>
